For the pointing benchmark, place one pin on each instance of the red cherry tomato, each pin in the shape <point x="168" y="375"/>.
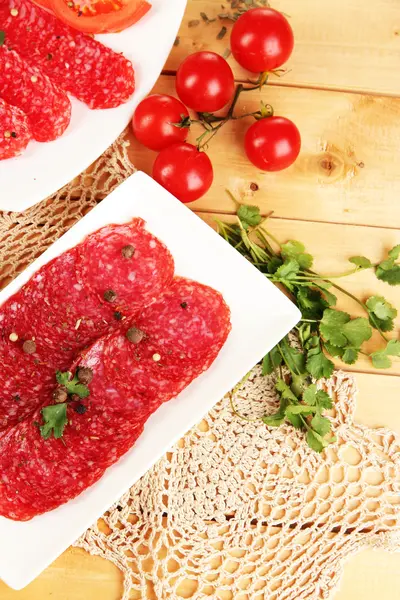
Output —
<point x="184" y="171"/>
<point x="272" y="144"/>
<point x="261" y="40"/>
<point x="153" y="122"/>
<point x="204" y="82"/>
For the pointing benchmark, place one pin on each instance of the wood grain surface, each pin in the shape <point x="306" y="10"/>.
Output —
<point x="341" y="198"/>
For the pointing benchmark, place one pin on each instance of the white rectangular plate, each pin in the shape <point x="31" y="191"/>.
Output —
<point x="261" y="316"/>
<point x="44" y="168"/>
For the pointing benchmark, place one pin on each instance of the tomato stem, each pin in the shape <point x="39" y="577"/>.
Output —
<point x="206" y="120"/>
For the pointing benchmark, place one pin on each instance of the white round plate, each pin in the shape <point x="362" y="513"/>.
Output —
<point x="44" y="168"/>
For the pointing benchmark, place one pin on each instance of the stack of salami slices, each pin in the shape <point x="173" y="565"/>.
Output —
<point x="110" y="308"/>
<point x="41" y="60"/>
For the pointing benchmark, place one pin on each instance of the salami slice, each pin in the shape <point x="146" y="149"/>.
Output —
<point x="15" y="132"/>
<point x="132" y="404"/>
<point x="58" y="312"/>
<point x="47" y="107"/>
<point x="23" y="382"/>
<point x="74" y="61"/>
<point x="181" y="333"/>
<point x="125" y="265"/>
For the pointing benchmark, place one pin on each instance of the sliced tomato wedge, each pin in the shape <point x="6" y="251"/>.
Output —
<point x="98" y="16"/>
<point x="44" y="3"/>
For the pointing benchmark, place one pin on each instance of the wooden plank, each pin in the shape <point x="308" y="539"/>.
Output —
<point x="370" y="575"/>
<point x="345" y="45"/>
<point x="378" y="401"/>
<point x="82" y="577"/>
<point x="332" y="245"/>
<point x="75" y="575"/>
<point x="347" y="171"/>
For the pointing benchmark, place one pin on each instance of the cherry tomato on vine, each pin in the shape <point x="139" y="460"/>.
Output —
<point x="272" y="144"/>
<point x="184" y="171"/>
<point x="261" y="40"/>
<point x="154" y="118"/>
<point x="204" y="82"/>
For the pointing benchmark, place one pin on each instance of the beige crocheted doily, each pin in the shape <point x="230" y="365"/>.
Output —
<point x="236" y="510"/>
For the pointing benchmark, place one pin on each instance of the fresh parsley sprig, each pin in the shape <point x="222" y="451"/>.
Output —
<point x="55" y="415"/>
<point x="55" y="420"/>
<point x="324" y="332"/>
<point x="72" y="384"/>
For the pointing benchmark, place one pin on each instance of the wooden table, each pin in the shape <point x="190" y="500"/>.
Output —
<point x="341" y="198"/>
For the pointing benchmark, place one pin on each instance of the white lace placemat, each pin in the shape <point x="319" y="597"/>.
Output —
<point x="240" y="511"/>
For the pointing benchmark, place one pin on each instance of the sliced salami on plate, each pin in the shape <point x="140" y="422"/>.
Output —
<point x="172" y="342"/>
<point x="74" y="61"/>
<point x="15" y="133"/>
<point x="39" y="471"/>
<point x="125" y="265"/>
<point x="24" y="380"/>
<point x="46" y="106"/>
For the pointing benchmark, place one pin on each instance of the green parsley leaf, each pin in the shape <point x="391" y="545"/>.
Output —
<point x="313" y="342"/>
<point x="350" y="356"/>
<point x="318" y="365"/>
<point x="387" y="264"/>
<point x="321" y="425"/>
<point x="394" y="252"/>
<point x="393" y="348"/>
<point x="338" y="330"/>
<point x="381" y="312"/>
<point x="318" y="398"/>
<point x="295" y="420"/>
<point x="288" y="270"/>
<point x="276" y="419"/>
<point x="81" y="390"/>
<point x="299" y="383"/>
<point x="296" y="250"/>
<point x="304" y="332"/>
<point x="249" y="215"/>
<point x="310" y="395"/>
<point x="285" y="391"/>
<point x="381" y="360"/>
<point x="63" y="378"/>
<point x="334" y="350"/>
<point x="331" y="326"/>
<point x="357" y="331"/>
<point x="315" y="441"/>
<point x="2" y="37"/>
<point x="311" y="302"/>
<point x="299" y="409"/>
<point x="330" y="298"/>
<point x="361" y="261"/>
<point x="274" y="264"/>
<point x="389" y="272"/>
<point x="381" y="307"/>
<point x="293" y="358"/>
<point x="271" y="361"/>
<point x="324" y="401"/>
<point x="55" y="419"/>
<point x="72" y="385"/>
